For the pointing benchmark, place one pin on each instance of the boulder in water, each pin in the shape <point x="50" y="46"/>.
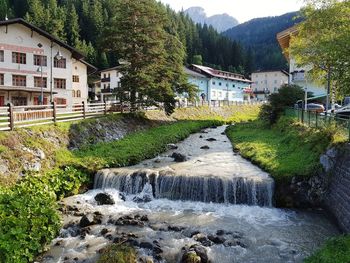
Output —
<point x="89" y="220"/>
<point x="178" y="157"/>
<point x="216" y="239"/>
<point x="142" y="199"/>
<point x="104" y="199"/>
<point x="205" y="147"/>
<point x="211" y="140"/>
<point x="195" y="254"/>
<point x="190" y="257"/>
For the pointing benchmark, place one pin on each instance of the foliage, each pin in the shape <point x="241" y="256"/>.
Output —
<point x="286" y="150"/>
<point x="336" y="250"/>
<point x="81" y="24"/>
<point x="28" y="220"/>
<point x="118" y="254"/>
<point x="286" y="96"/>
<point x="323" y="42"/>
<point x="259" y="35"/>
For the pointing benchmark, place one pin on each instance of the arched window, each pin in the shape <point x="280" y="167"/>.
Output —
<point x="78" y="93"/>
<point x="73" y="93"/>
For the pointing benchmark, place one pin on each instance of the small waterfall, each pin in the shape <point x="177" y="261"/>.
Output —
<point x="165" y="184"/>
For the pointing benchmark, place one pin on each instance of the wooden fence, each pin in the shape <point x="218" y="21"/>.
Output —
<point x="25" y="116"/>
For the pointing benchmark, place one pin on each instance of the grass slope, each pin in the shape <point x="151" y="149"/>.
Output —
<point x="286" y="150"/>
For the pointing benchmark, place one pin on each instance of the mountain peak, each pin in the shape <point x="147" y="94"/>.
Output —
<point x="221" y="22"/>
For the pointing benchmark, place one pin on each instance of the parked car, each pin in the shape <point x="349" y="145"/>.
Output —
<point x="343" y="112"/>
<point x="314" y="107"/>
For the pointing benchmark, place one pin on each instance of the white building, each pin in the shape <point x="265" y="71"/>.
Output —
<point x="110" y="81"/>
<point x="33" y="62"/>
<point x="298" y="75"/>
<point x="267" y="82"/>
<point x="218" y="85"/>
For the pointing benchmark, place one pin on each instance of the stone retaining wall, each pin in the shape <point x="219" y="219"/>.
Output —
<point x="337" y="199"/>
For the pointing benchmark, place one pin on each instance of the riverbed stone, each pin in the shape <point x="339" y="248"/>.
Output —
<point x="211" y="140"/>
<point x="179" y="157"/>
<point x="205" y="147"/>
<point x="172" y="146"/>
<point x="89" y="220"/>
<point x="216" y="239"/>
<point x="104" y="199"/>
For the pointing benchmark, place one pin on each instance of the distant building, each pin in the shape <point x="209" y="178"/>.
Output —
<point x="33" y="62"/>
<point x="298" y="75"/>
<point x="110" y="81"/>
<point x="267" y="82"/>
<point x="218" y="85"/>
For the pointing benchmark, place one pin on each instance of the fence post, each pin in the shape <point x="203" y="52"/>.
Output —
<point x="54" y="112"/>
<point x="84" y="109"/>
<point x="11" y="115"/>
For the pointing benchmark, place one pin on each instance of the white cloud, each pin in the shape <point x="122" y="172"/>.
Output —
<point x="243" y="10"/>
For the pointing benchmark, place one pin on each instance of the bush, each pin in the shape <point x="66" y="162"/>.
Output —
<point x="28" y="212"/>
<point x="28" y="220"/>
<point x="286" y="97"/>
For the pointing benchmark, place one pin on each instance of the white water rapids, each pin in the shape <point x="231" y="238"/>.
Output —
<point x="252" y="233"/>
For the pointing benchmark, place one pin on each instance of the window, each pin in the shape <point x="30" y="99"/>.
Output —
<point x="19" y="81"/>
<point x="75" y="78"/>
<point x="59" y="63"/>
<point x="60" y="101"/>
<point x="1" y="79"/>
<point x="213" y="82"/>
<point x="109" y="75"/>
<point x="104" y="75"/>
<point x="219" y="83"/>
<point x="1" y="56"/>
<point x="226" y="84"/>
<point x="37" y="82"/>
<point x="233" y="85"/>
<point x="19" y="58"/>
<point x="275" y="89"/>
<point x="78" y="93"/>
<point x="73" y="93"/>
<point x="38" y="59"/>
<point x="60" y="83"/>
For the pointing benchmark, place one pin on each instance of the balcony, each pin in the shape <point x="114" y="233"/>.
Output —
<point x="298" y="76"/>
<point x="109" y="90"/>
<point x="106" y="79"/>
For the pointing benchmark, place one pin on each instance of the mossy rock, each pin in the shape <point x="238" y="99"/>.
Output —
<point x="118" y="254"/>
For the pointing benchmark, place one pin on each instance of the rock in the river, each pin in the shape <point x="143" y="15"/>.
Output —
<point x="195" y="254"/>
<point x="172" y="146"/>
<point x="216" y="239"/>
<point x="104" y="199"/>
<point x="143" y="199"/>
<point x="205" y="147"/>
<point x="89" y="220"/>
<point x="220" y="232"/>
<point x="146" y="245"/>
<point x="178" y="157"/>
<point x="176" y="228"/>
<point x="211" y="140"/>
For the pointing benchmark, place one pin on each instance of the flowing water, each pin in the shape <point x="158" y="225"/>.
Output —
<point x="213" y="190"/>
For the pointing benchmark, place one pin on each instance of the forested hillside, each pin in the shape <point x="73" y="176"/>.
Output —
<point x="259" y="35"/>
<point x="82" y="23"/>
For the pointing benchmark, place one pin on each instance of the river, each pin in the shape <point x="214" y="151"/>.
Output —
<point x="212" y="197"/>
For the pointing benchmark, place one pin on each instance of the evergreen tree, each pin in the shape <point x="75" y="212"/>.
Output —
<point x="137" y="33"/>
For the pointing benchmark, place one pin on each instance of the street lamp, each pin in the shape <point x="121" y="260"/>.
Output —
<point x="42" y="78"/>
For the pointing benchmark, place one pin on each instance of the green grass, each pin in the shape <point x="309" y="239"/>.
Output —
<point x="336" y="250"/>
<point x="134" y="147"/>
<point x="286" y="150"/>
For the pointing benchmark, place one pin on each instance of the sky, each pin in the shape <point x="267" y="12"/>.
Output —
<point x="242" y="10"/>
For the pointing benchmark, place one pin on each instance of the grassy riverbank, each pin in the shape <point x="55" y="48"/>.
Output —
<point x="286" y="150"/>
<point x="336" y="250"/>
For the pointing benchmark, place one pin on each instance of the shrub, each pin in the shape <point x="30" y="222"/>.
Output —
<point x="28" y="220"/>
<point x="286" y="96"/>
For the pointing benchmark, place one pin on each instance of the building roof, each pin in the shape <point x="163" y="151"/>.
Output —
<point x="269" y="71"/>
<point x="194" y="73"/>
<point x="109" y="69"/>
<point x="284" y="37"/>
<point x="219" y="73"/>
<point x="75" y="53"/>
